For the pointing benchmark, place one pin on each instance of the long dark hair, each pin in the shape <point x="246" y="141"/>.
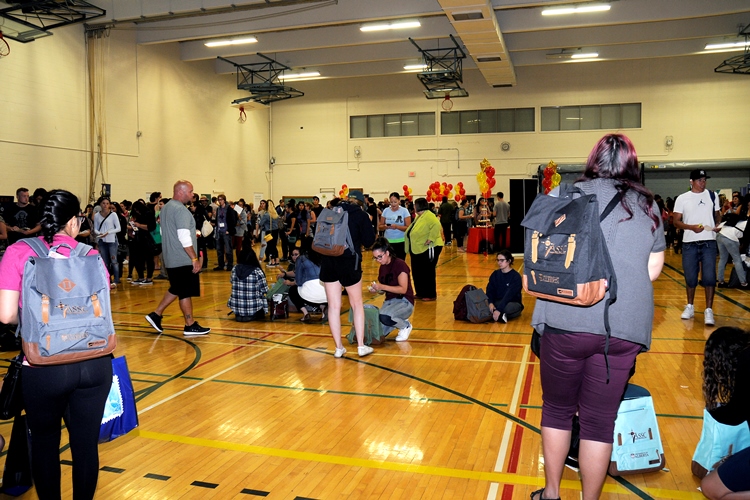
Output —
<point x="59" y="208"/>
<point x="720" y="362"/>
<point x="614" y="157"/>
<point x="249" y="258"/>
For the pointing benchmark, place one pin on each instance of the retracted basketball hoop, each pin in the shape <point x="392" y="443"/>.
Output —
<point x="4" y="47"/>
<point x="447" y="103"/>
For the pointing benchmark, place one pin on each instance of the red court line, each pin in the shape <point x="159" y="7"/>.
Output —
<point x="229" y="352"/>
<point x="515" y="449"/>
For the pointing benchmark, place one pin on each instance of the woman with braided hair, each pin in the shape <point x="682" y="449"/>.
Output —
<point x="73" y="392"/>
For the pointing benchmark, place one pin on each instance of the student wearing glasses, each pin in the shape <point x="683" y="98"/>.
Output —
<point x="504" y="289"/>
<point x="395" y="281"/>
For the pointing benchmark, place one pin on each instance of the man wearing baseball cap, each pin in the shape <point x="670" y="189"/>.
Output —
<point x="697" y="214"/>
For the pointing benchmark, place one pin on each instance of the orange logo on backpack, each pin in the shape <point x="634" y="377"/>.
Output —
<point x="560" y="220"/>
<point x="66" y="285"/>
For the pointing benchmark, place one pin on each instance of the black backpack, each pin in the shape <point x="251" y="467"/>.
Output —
<point x="477" y="306"/>
<point x="459" y="305"/>
<point x="566" y="258"/>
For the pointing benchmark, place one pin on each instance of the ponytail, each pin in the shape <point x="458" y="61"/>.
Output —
<point x="60" y="207"/>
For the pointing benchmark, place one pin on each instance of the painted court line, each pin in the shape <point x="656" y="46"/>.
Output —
<point x="512" y="409"/>
<point x="498" y="477"/>
<point x="205" y="380"/>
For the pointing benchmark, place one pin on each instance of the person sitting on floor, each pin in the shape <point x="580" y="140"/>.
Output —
<point x="249" y="288"/>
<point x="394" y="280"/>
<point x="307" y="290"/>
<point x="504" y="289"/>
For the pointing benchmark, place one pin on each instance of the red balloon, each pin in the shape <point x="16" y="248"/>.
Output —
<point x="343" y="186"/>
<point x="548" y="173"/>
<point x="462" y="191"/>
<point x="457" y="197"/>
<point x="450" y="187"/>
<point x="406" y="188"/>
<point x="491" y="182"/>
<point x="410" y="197"/>
<point x="490" y="171"/>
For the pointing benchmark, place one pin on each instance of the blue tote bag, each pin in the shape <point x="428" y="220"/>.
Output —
<point x="717" y="442"/>
<point x="120" y="414"/>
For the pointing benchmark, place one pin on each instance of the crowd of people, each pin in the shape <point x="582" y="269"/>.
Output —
<point x="585" y="360"/>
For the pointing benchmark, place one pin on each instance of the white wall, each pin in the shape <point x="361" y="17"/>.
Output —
<point x="190" y="131"/>
<point x="708" y="115"/>
<point x="182" y="110"/>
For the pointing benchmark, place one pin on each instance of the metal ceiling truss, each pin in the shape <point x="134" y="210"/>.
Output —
<point x="444" y="71"/>
<point x="738" y="65"/>
<point x="31" y="19"/>
<point x="263" y="81"/>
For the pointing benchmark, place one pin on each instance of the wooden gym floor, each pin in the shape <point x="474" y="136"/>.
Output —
<point x="264" y="409"/>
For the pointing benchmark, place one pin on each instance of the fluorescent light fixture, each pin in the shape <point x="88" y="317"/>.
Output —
<point x="231" y="41"/>
<point x="585" y="55"/>
<point x="581" y="9"/>
<point x="391" y="26"/>
<point x="299" y="76"/>
<point x="415" y="67"/>
<point x="730" y="45"/>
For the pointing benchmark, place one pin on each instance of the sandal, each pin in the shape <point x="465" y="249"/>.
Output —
<point x="540" y="497"/>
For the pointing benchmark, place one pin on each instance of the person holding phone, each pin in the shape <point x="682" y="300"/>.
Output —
<point x="394" y="221"/>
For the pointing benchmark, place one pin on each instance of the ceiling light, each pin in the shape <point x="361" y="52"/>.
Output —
<point x="286" y="77"/>
<point x="730" y="45"/>
<point x="231" y="41"/>
<point x="585" y="55"/>
<point x="559" y="11"/>
<point x="391" y="26"/>
<point x="415" y="67"/>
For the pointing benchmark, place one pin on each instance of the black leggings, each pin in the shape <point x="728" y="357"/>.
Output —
<point x="272" y="251"/>
<point x="76" y="393"/>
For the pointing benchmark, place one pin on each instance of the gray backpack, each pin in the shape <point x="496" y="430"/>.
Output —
<point x="477" y="306"/>
<point x="66" y="314"/>
<point x="332" y="235"/>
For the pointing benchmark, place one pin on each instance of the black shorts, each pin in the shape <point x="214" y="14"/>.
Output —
<point x="341" y="269"/>
<point x="183" y="282"/>
<point x="733" y="472"/>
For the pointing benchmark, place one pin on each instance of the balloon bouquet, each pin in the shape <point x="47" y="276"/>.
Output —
<point x="407" y="192"/>
<point x="436" y="191"/>
<point x="486" y="178"/>
<point x="551" y="177"/>
<point x="344" y="192"/>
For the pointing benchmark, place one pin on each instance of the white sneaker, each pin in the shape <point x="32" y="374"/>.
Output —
<point x="708" y="317"/>
<point x="404" y="333"/>
<point x="339" y="353"/>
<point x="688" y="313"/>
<point x="364" y="350"/>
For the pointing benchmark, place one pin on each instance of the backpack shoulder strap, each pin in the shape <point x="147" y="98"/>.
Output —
<point x="39" y="248"/>
<point x="81" y="250"/>
<point x="610" y="206"/>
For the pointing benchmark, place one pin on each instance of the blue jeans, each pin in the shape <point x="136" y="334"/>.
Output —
<point x="399" y="311"/>
<point x="699" y="256"/>
<point x="108" y="251"/>
<point x="727" y="248"/>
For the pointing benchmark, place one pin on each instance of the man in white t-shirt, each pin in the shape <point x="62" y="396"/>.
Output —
<point x="697" y="214"/>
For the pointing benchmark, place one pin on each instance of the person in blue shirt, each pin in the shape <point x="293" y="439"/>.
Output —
<point x="504" y="289"/>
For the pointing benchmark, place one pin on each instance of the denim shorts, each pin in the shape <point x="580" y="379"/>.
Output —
<point x="699" y="255"/>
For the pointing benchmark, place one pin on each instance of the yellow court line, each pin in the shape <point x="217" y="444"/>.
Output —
<point x="497" y="477"/>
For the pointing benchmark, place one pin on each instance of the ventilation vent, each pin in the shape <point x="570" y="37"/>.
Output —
<point x="467" y="16"/>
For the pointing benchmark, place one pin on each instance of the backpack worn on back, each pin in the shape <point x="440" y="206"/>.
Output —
<point x="477" y="306"/>
<point x="459" y="305"/>
<point x="332" y="235"/>
<point x="566" y="258"/>
<point x="66" y="315"/>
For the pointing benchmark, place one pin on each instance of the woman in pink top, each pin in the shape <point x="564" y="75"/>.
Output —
<point x="74" y="392"/>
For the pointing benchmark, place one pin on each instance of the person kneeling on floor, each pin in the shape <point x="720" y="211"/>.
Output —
<point x="249" y="288"/>
<point x="395" y="281"/>
<point x="504" y="289"/>
<point x="308" y="291"/>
